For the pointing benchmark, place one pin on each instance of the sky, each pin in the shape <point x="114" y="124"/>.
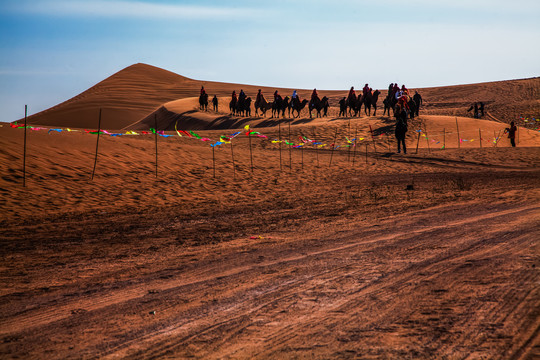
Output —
<point x="52" y="50"/>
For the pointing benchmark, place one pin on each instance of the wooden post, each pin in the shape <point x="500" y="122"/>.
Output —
<point x="250" y="151"/>
<point x="302" y="151"/>
<point x="444" y="138"/>
<point x="290" y="148"/>
<point x="97" y="144"/>
<point x="355" y="143"/>
<point x="494" y="139"/>
<point x="459" y="137"/>
<point x="233" y="165"/>
<point x="366" y="153"/>
<point x="214" y="160"/>
<point x="497" y="138"/>
<point x="373" y="140"/>
<point x="427" y="139"/>
<point x="333" y="147"/>
<point x="349" y="149"/>
<point x="156" y="136"/>
<point x="417" y="143"/>
<point x="279" y="129"/>
<point x="480" y="135"/>
<point x="24" y="148"/>
<point x="317" y="152"/>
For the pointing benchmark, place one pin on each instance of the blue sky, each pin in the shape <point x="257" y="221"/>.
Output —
<point x="51" y="50"/>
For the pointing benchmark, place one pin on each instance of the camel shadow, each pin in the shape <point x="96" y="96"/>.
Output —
<point x="383" y="130"/>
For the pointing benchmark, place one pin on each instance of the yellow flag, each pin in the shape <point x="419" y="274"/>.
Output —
<point x="246" y="127"/>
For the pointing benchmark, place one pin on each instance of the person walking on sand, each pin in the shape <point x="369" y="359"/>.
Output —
<point x="401" y="128"/>
<point x="512" y="133"/>
<point x="215" y="103"/>
<point x="417" y="98"/>
<point x="481" y="109"/>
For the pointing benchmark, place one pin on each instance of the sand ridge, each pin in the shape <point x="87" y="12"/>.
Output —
<point x="133" y="95"/>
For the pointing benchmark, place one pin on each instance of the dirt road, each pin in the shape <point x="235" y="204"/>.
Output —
<point x="455" y="280"/>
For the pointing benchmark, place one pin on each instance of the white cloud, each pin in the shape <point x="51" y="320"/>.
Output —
<point x="128" y="9"/>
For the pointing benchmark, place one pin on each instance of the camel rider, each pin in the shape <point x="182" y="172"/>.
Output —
<point x="352" y="93"/>
<point x="234" y="98"/>
<point x="314" y="97"/>
<point x="365" y="90"/>
<point x="203" y="92"/>
<point x="259" y="96"/>
<point x="242" y="96"/>
<point x="405" y="90"/>
<point x="295" y="98"/>
<point x="277" y="97"/>
<point x="403" y="101"/>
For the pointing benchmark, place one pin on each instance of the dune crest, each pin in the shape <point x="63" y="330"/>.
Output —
<point x="135" y="96"/>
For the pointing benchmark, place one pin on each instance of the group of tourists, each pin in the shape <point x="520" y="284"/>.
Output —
<point x="478" y="108"/>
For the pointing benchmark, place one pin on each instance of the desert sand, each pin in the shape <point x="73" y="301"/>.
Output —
<point x="311" y="253"/>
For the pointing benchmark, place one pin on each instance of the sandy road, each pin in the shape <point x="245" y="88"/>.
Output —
<point x="410" y="286"/>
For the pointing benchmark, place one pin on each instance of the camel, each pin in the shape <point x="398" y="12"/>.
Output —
<point x="298" y="106"/>
<point x="263" y="105"/>
<point x="203" y="102"/>
<point x="232" y="105"/>
<point x="369" y="101"/>
<point x="244" y="109"/>
<point x="279" y="106"/>
<point x="319" y="105"/>
<point x="354" y="103"/>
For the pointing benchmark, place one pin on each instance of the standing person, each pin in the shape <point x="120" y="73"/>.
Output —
<point x="475" y="110"/>
<point x="417" y="98"/>
<point x="401" y="128"/>
<point x="215" y="103"/>
<point x="512" y="133"/>
<point x="481" y="109"/>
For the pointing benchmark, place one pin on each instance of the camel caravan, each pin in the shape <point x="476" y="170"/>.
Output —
<point x="350" y="106"/>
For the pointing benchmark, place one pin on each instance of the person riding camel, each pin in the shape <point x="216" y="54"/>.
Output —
<point x="234" y="97"/>
<point x="365" y="90"/>
<point x="352" y="93"/>
<point x="314" y="96"/>
<point x="403" y="101"/>
<point x="242" y="96"/>
<point x="295" y="98"/>
<point x="203" y="92"/>
<point x="259" y="96"/>
<point x="404" y="90"/>
<point x="277" y="97"/>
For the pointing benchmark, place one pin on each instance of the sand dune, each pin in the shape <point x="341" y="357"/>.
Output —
<point x="130" y="98"/>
